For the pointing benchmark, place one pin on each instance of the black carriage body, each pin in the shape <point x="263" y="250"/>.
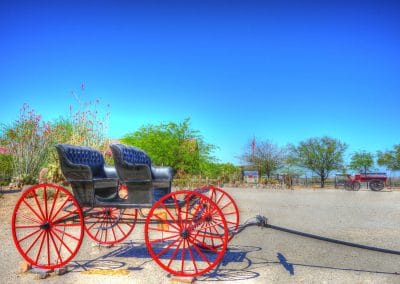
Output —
<point x="95" y="185"/>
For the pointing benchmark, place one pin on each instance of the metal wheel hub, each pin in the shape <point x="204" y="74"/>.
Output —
<point x="208" y="218"/>
<point x="185" y="234"/>
<point x="45" y="226"/>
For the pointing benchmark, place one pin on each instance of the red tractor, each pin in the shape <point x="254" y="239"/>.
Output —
<point x="376" y="181"/>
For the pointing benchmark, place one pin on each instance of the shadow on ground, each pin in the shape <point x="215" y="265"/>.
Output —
<point x="239" y="263"/>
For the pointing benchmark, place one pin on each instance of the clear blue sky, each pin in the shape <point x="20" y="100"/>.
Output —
<point x="279" y="70"/>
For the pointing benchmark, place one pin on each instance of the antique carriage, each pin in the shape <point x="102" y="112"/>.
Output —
<point x="375" y="181"/>
<point x="186" y="232"/>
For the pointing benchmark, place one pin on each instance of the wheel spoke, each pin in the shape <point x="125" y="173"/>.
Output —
<point x="53" y="204"/>
<point x="27" y="226"/>
<point x="29" y="218"/>
<point x="183" y="255"/>
<point x="219" y="199"/>
<point x="64" y="217"/>
<point x="63" y="243"/>
<point x="59" y="209"/>
<point x="207" y="246"/>
<point x="175" y="253"/>
<point x="30" y="235"/>
<point x="48" y="247"/>
<point x="163" y="239"/>
<point x="165" y="221"/>
<point x="161" y="230"/>
<point x="40" y="247"/>
<point x="192" y="257"/>
<point x="65" y="233"/>
<point x="169" y="213"/>
<point x="164" y="250"/>
<point x="201" y="254"/>
<point x="38" y="206"/>
<point x="55" y="248"/>
<point x="66" y="225"/>
<point x="33" y="211"/>
<point x="45" y="203"/>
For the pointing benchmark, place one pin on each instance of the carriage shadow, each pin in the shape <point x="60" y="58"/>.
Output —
<point x="234" y="265"/>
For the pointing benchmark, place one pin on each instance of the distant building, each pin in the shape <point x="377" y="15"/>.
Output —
<point x="250" y="176"/>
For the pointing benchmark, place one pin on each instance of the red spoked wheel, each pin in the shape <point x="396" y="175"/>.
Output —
<point x="226" y="204"/>
<point x="47" y="226"/>
<point x="109" y="226"/>
<point x="177" y="224"/>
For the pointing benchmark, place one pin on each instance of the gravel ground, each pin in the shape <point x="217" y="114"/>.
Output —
<point x="256" y="255"/>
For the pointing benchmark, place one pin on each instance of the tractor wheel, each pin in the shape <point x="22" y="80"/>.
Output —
<point x="376" y="185"/>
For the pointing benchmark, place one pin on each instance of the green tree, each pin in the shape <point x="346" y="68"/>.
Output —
<point x="361" y="161"/>
<point x="267" y="156"/>
<point x="320" y="155"/>
<point x="390" y="158"/>
<point x="173" y="144"/>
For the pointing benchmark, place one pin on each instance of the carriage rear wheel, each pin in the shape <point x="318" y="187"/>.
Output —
<point x="376" y="185"/>
<point x="177" y="224"/>
<point x="228" y="207"/>
<point x="109" y="226"/>
<point x="47" y="226"/>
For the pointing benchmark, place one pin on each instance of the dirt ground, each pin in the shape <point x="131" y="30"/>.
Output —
<point x="256" y="255"/>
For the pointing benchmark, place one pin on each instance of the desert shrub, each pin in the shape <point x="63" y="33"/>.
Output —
<point x="28" y="141"/>
<point x="5" y="169"/>
<point x="85" y="126"/>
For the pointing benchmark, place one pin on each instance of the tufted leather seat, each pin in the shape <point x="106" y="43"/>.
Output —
<point x="85" y="169"/>
<point x="146" y="183"/>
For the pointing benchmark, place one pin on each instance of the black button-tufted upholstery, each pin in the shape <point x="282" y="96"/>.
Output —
<point x="134" y="156"/>
<point x="86" y="156"/>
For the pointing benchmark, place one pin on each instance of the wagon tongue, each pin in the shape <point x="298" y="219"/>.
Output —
<point x="262" y="221"/>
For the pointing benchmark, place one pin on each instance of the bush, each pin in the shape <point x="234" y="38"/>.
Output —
<point x="28" y="141"/>
<point x="5" y="169"/>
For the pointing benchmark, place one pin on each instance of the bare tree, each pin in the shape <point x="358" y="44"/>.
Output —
<point x="264" y="155"/>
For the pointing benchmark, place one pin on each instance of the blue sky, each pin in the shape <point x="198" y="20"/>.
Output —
<point x="279" y="70"/>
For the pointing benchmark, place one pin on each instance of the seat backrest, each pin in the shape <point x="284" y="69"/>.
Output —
<point x="70" y="155"/>
<point x="130" y="155"/>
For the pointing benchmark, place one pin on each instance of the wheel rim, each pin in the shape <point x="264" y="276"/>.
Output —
<point x="109" y="226"/>
<point x="174" y="229"/>
<point x="228" y="207"/>
<point x="47" y="226"/>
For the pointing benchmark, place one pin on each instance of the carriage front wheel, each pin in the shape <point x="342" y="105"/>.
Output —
<point x="47" y="226"/>
<point x="178" y="228"/>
